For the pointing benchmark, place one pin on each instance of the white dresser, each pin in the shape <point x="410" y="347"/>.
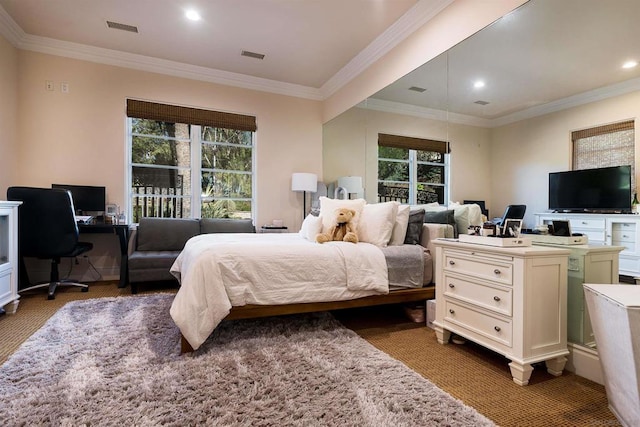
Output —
<point x="510" y="300"/>
<point x="9" y="256"/>
<point x="606" y="229"/>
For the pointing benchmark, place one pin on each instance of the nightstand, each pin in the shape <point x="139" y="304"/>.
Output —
<point x="272" y="229"/>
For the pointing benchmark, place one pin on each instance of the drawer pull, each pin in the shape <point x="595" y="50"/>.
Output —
<point x="496" y="298"/>
<point x="451" y="285"/>
<point x="496" y="271"/>
<point x="584" y="222"/>
<point x="497" y="328"/>
<point x="452" y="311"/>
<point x="625" y="236"/>
<point x="451" y="262"/>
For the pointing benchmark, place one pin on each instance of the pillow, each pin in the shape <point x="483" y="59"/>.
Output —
<point x="442" y="217"/>
<point x="466" y="215"/>
<point x="399" y="231"/>
<point x="376" y="223"/>
<point x="311" y="226"/>
<point x="414" y="227"/>
<point x="328" y="210"/>
<point x="430" y="207"/>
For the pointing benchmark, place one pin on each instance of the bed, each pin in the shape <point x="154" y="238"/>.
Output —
<point x="233" y="276"/>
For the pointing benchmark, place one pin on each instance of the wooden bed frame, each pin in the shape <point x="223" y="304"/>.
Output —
<point x="252" y="311"/>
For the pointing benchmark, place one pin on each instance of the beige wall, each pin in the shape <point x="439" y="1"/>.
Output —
<point x="351" y="148"/>
<point x="79" y="137"/>
<point x="525" y="152"/>
<point x="8" y="114"/>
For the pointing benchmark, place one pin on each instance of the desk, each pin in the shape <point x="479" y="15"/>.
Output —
<point x="122" y="231"/>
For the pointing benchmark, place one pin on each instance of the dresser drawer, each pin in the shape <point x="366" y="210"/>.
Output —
<point x="496" y="269"/>
<point x="587" y="223"/>
<point x="491" y="297"/>
<point x="479" y="322"/>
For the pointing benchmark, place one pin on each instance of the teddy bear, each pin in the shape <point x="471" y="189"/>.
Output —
<point x="342" y="229"/>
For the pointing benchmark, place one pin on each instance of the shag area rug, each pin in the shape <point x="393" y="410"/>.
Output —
<point x="116" y="361"/>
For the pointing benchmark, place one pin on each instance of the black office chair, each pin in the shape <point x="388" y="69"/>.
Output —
<point x="512" y="212"/>
<point x="47" y="230"/>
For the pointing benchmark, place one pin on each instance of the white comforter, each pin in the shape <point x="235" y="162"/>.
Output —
<point x="218" y="271"/>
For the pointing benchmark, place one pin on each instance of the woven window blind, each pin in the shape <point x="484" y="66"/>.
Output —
<point x="193" y="116"/>
<point x="410" y="143"/>
<point x="605" y="146"/>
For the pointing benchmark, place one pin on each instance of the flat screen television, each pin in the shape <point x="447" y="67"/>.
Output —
<point x="591" y="190"/>
<point x="87" y="200"/>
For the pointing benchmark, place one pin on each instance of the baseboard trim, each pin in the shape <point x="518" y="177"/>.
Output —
<point x="584" y="361"/>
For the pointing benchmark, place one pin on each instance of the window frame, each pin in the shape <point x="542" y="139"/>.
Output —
<point x="196" y="142"/>
<point x="413" y="162"/>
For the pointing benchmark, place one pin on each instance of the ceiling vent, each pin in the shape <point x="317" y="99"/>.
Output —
<point x="123" y="27"/>
<point x="481" y="102"/>
<point x="417" y="89"/>
<point x="252" y="54"/>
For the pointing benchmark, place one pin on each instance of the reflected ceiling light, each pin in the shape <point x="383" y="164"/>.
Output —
<point x="630" y="64"/>
<point x="192" y="15"/>
<point x="478" y="84"/>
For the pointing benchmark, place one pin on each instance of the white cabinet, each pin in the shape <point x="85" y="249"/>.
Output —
<point x="606" y="229"/>
<point x="510" y="300"/>
<point x="9" y="256"/>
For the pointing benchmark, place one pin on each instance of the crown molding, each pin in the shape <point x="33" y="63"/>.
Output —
<point x="422" y="112"/>
<point x="417" y="16"/>
<point x="599" y="94"/>
<point x="9" y="29"/>
<point x="594" y="95"/>
<point x="163" y="66"/>
<point x="421" y="13"/>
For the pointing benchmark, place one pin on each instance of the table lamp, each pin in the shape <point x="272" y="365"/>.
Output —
<point x="304" y="182"/>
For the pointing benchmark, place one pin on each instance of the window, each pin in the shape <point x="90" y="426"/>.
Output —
<point x="412" y="170"/>
<point x="189" y="163"/>
<point x="604" y="146"/>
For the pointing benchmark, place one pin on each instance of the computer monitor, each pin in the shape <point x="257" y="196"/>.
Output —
<point x="87" y="200"/>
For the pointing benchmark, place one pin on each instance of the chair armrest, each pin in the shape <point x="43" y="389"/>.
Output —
<point x="434" y="231"/>
<point x="133" y="240"/>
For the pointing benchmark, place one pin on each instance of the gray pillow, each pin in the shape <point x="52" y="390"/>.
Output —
<point x="442" y="217"/>
<point x="414" y="227"/>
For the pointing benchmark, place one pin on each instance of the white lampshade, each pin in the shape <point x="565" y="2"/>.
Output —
<point x="353" y="184"/>
<point x="304" y="182"/>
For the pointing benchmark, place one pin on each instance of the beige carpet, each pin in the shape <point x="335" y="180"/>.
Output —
<point x="478" y="377"/>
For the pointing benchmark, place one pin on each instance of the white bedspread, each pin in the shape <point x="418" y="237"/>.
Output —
<point x="218" y="271"/>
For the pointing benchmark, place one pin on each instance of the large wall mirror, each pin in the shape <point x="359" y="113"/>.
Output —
<point x="507" y="99"/>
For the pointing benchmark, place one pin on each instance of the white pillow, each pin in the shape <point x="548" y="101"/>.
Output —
<point x="400" y="226"/>
<point x="328" y="210"/>
<point x="311" y="226"/>
<point x="466" y="215"/>
<point x="430" y="207"/>
<point x="376" y="223"/>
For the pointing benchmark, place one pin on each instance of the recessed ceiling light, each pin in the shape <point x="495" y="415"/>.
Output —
<point x="478" y="84"/>
<point x="192" y="15"/>
<point x="630" y="64"/>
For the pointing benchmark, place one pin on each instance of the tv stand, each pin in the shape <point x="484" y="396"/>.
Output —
<point x="611" y="229"/>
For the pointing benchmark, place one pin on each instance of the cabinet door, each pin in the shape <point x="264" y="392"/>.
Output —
<point x="623" y="232"/>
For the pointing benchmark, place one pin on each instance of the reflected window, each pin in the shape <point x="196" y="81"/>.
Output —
<point x="199" y="168"/>
<point x="412" y="170"/>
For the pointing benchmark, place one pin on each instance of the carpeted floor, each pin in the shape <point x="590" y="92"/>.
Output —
<point x="117" y="361"/>
<point x="477" y="377"/>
